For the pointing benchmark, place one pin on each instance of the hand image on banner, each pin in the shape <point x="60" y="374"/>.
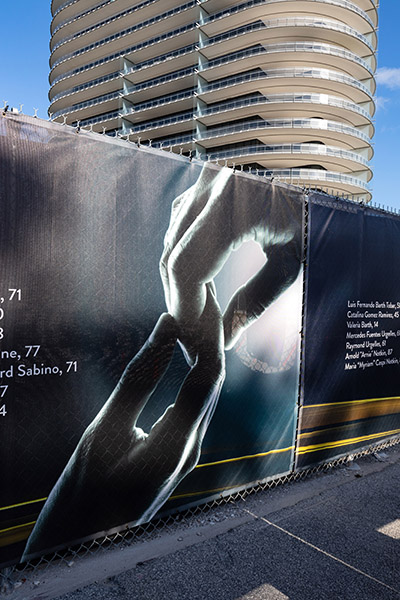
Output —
<point x="119" y="474"/>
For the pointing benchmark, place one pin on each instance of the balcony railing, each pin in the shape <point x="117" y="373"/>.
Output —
<point x="87" y="104"/>
<point x="315" y="124"/>
<point x="87" y="85"/>
<point x="251" y="3"/>
<point x="160" y="80"/>
<point x="125" y="51"/>
<point x="315" y="175"/>
<point x="160" y="59"/>
<point x="313" y="149"/>
<point x="157" y="123"/>
<point x="295" y="72"/>
<point x="287" y="22"/>
<point x="257" y="99"/>
<point x="259" y="50"/>
<point x="124" y="32"/>
<point x="93" y="9"/>
<point x="161" y="101"/>
<point x="103" y="118"/>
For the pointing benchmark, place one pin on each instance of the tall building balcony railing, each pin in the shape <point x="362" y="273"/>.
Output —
<point x="333" y="182"/>
<point x="354" y="137"/>
<point x="115" y="76"/>
<point x="257" y="99"/>
<point x="159" y="124"/>
<point x="344" y="11"/>
<point x="161" y="59"/>
<point x="112" y="118"/>
<point x="321" y="78"/>
<point x="337" y="157"/>
<point x="120" y="33"/>
<point x="124" y="51"/>
<point x="345" y="35"/>
<point x="291" y="106"/>
<point x="96" y="10"/>
<point x="114" y="18"/>
<point x="158" y="102"/>
<point x="294" y="53"/>
<point x="159" y="81"/>
<point x="106" y="98"/>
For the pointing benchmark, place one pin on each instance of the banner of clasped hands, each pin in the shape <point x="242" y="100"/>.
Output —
<point x="150" y="327"/>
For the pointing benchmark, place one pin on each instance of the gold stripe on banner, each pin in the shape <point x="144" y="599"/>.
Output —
<point x="22" y="504"/>
<point x="345" y="442"/>
<point x="228" y="460"/>
<point x="247" y="457"/>
<point x="317" y="415"/>
<point x="15" y="534"/>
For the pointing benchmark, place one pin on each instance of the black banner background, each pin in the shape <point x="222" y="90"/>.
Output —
<point x="351" y="360"/>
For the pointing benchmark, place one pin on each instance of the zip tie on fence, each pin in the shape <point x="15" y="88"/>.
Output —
<point x="36" y="112"/>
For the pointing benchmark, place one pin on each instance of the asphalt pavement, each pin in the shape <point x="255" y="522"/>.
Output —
<point x="335" y="535"/>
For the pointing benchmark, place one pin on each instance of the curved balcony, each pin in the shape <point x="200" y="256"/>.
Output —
<point x="88" y="40"/>
<point x="108" y="103"/>
<point x="181" y="58"/>
<point x="161" y="64"/>
<point x="293" y="54"/>
<point x="80" y="93"/>
<point x="288" y="131"/>
<point x="282" y="80"/>
<point x="183" y="143"/>
<point x="243" y="13"/>
<point x="104" y="121"/>
<point x="276" y="106"/>
<point x="159" y="107"/>
<point x="103" y="13"/>
<point x="368" y="6"/>
<point x="294" y="155"/>
<point x="288" y="29"/>
<point x="337" y="184"/>
<point x="161" y="127"/>
<point x="64" y="9"/>
<point x="164" y="85"/>
<point x="167" y="42"/>
<point x="125" y="26"/>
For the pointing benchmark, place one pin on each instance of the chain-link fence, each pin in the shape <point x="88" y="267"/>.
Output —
<point x="12" y="577"/>
<point x="82" y="235"/>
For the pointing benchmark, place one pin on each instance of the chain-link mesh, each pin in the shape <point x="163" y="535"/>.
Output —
<point x="135" y="535"/>
<point x="11" y="577"/>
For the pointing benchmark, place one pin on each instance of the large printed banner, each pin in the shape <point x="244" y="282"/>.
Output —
<point x="149" y="333"/>
<point x="351" y="395"/>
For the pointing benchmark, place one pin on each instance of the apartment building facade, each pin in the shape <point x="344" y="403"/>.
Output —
<point x="281" y="87"/>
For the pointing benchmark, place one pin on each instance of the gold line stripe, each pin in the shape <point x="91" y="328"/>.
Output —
<point x="17" y="527"/>
<point x="347" y="402"/>
<point x="23" y="504"/>
<point x="338" y="443"/>
<point x="228" y="460"/>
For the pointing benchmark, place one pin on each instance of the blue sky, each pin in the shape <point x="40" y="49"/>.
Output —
<point x="24" y="52"/>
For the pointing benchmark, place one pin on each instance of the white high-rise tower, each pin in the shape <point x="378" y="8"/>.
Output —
<point x="283" y="86"/>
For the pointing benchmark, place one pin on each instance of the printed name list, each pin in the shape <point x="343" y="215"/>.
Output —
<point x="371" y="334"/>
